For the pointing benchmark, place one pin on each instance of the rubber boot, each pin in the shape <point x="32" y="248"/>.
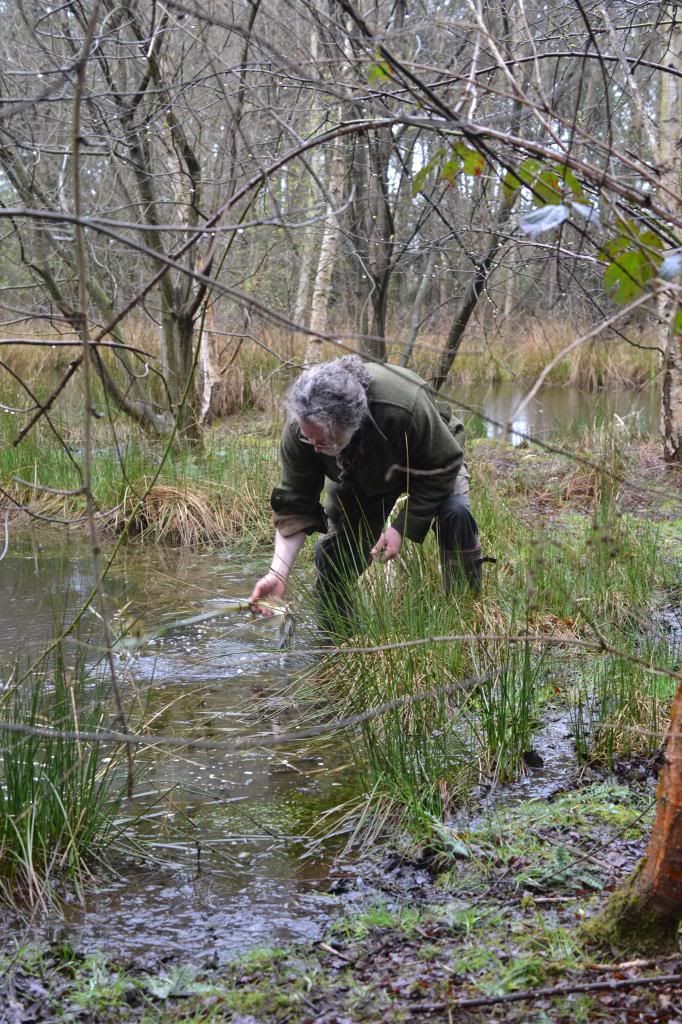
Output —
<point x="462" y="567"/>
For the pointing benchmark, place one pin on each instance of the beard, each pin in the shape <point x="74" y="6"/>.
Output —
<point x="339" y="442"/>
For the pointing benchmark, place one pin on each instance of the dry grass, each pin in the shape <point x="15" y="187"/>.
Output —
<point x="520" y="351"/>
<point x="180" y="517"/>
<point x="256" y="367"/>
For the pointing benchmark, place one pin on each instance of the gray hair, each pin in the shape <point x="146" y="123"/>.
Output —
<point x="332" y="395"/>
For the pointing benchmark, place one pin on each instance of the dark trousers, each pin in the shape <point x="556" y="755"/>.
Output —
<point x="356" y="523"/>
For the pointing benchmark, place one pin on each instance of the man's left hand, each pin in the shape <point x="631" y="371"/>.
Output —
<point x="388" y="545"/>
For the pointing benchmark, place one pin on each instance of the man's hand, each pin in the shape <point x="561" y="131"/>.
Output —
<point x="388" y="545"/>
<point x="274" y="583"/>
<point x="269" y="586"/>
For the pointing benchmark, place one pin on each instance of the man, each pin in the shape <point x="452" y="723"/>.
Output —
<point x="370" y="433"/>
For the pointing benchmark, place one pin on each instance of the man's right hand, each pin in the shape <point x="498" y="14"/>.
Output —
<point x="269" y="586"/>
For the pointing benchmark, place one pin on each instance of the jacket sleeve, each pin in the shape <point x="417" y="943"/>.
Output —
<point x="295" y="502"/>
<point x="434" y="454"/>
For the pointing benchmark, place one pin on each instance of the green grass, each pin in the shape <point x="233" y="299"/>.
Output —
<point x="379" y="916"/>
<point x="505" y="920"/>
<point x="541" y="847"/>
<point x="593" y="577"/>
<point x="58" y="796"/>
<point x="620" y="711"/>
<point x="216" y="493"/>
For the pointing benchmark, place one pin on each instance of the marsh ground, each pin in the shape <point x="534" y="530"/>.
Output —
<point x="484" y="925"/>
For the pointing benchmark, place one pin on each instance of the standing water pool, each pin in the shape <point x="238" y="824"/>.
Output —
<point x="226" y="859"/>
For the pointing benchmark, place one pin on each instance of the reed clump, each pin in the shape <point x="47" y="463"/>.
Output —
<point x="455" y="689"/>
<point x="59" y="795"/>
<point x="186" y="517"/>
<point x="254" y="369"/>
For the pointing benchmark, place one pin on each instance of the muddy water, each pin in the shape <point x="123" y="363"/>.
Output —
<point x="224" y="835"/>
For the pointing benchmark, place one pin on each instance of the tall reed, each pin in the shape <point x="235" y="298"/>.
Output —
<point x="622" y="710"/>
<point x="58" y="795"/>
<point x="449" y="714"/>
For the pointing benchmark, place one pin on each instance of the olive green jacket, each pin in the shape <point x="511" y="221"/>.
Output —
<point x="409" y="444"/>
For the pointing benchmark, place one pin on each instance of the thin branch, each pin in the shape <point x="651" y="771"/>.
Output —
<point x="82" y="313"/>
<point x="533" y="994"/>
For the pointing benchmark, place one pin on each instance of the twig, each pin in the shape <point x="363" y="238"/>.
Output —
<point x="84" y="333"/>
<point x="6" y="544"/>
<point x="47" y="405"/>
<point x="336" y="952"/>
<point x="242" y="743"/>
<point x="532" y="994"/>
<point x="627" y="965"/>
<point x="514" y="416"/>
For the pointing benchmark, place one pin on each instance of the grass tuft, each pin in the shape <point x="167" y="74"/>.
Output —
<point x="58" y="795"/>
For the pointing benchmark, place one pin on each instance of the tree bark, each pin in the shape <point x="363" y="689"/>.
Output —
<point x="644" y="914"/>
<point x="670" y="168"/>
<point x="420" y="298"/>
<point x="473" y="291"/>
<point x="322" y="289"/>
<point x="381" y="241"/>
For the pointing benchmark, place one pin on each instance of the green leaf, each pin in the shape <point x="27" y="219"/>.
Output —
<point x="627" y="275"/>
<point x="473" y="162"/>
<point x="423" y="173"/>
<point x="572" y="182"/>
<point x="547" y="188"/>
<point x="651" y="239"/>
<point x="510" y="185"/>
<point x="549" y="183"/>
<point x="180" y="981"/>
<point x="613" y="247"/>
<point x="379" y="72"/>
<point x="420" y="179"/>
<point x="529" y="170"/>
<point x="448" y="171"/>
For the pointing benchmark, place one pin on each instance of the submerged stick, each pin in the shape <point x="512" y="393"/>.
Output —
<point x="235" y="604"/>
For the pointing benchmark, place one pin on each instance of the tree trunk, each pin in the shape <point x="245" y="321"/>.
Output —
<point x="322" y="289"/>
<point x="210" y="380"/>
<point x="380" y="241"/>
<point x="471" y="296"/>
<point x="670" y="169"/>
<point x="643" y="915"/>
<point x="416" y="318"/>
<point x="671" y="402"/>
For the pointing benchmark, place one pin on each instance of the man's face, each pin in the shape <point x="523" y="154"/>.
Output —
<point x="324" y="441"/>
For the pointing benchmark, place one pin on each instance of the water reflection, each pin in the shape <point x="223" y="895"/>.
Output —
<point x="557" y="413"/>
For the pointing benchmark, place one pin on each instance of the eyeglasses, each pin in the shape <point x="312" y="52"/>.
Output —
<point x="324" y="446"/>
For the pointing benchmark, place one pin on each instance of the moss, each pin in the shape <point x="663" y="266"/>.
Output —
<point x="630" y="924"/>
<point x="262" y="1000"/>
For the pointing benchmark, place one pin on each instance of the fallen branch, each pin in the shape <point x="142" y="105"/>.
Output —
<point x="242" y="743"/>
<point x="532" y="994"/>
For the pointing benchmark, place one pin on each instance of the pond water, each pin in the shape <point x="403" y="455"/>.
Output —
<point x="229" y="832"/>
<point x="556" y="413"/>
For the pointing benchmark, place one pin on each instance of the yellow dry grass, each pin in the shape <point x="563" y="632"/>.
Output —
<point x="183" y="517"/>
<point x="254" y="369"/>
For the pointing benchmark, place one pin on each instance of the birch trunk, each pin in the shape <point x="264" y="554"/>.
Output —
<point x="670" y="168"/>
<point x="322" y="289"/>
